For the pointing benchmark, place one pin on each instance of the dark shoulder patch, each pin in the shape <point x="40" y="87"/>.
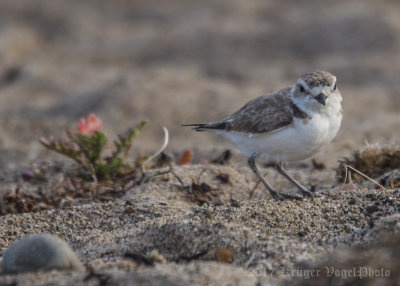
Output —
<point x="298" y="113"/>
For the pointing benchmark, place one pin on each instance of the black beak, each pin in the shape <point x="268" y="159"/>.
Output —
<point x="321" y="98"/>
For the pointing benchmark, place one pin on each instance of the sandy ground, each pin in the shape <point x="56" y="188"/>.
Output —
<point x="175" y="62"/>
<point x="162" y="221"/>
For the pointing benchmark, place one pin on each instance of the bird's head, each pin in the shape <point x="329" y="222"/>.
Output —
<point x="316" y="90"/>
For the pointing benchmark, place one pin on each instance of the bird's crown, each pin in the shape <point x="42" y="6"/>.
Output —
<point x="317" y="78"/>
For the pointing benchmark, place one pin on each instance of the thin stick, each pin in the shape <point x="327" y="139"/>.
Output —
<point x="201" y="174"/>
<point x="253" y="191"/>
<point x="345" y="175"/>
<point x="169" y="171"/>
<point x="391" y="183"/>
<point x="93" y="173"/>
<point x="184" y="185"/>
<point x="351" y="180"/>
<point x="368" y="178"/>
<point x="156" y="175"/>
<point x="166" y="139"/>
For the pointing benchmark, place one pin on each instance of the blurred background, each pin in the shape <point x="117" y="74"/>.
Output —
<point x="173" y="62"/>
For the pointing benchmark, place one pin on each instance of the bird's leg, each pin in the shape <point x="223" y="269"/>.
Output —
<point x="302" y="189"/>
<point x="274" y="194"/>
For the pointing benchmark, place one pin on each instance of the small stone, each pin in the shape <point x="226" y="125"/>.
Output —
<point x="301" y="233"/>
<point x="372" y="208"/>
<point x="206" y="213"/>
<point x="129" y="210"/>
<point x="157" y="257"/>
<point x="223" y="178"/>
<point x="235" y="204"/>
<point x="27" y="175"/>
<point x="40" y="252"/>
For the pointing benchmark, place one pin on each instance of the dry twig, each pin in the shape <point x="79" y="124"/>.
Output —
<point x="366" y="177"/>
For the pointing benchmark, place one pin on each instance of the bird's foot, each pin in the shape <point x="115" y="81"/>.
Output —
<point x="307" y="193"/>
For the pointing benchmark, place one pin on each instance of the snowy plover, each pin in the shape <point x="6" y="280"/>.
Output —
<point x="288" y="125"/>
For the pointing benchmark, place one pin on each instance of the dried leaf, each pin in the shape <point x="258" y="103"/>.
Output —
<point x="318" y="165"/>
<point x="140" y="258"/>
<point x="192" y="257"/>
<point x="186" y="157"/>
<point x="223" y="158"/>
<point x="224" y="255"/>
<point x="372" y="160"/>
<point x="223" y="178"/>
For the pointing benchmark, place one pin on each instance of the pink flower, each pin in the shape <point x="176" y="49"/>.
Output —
<point x="93" y="124"/>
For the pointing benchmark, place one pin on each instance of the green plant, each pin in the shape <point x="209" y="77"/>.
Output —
<point x="87" y="145"/>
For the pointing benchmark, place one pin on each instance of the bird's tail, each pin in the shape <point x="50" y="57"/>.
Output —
<point x="207" y="126"/>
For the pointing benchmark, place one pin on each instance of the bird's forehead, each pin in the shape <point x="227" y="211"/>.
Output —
<point x="318" y="78"/>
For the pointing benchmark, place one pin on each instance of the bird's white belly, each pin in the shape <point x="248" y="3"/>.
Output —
<point x="296" y="142"/>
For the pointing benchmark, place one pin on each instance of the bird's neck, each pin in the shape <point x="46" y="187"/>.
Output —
<point x="297" y="107"/>
<point x="298" y="112"/>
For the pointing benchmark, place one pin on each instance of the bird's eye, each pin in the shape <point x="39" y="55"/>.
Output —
<point x="334" y="87"/>
<point x="302" y="88"/>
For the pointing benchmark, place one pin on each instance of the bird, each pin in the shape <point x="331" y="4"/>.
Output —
<point x="288" y="125"/>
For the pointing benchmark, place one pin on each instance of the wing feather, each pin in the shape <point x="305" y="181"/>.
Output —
<point x="262" y="114"/>
<point x="266" y="113"/>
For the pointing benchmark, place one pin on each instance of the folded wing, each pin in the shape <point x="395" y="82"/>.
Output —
<point x="266" y="113"/>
